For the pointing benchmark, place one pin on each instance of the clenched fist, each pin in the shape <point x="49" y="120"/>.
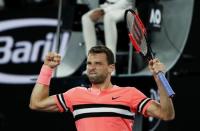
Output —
<point x="52" y="59"/>
<point x="155" y="66"/>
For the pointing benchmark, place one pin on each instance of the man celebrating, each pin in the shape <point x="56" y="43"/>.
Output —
<point x="103" y="106"/>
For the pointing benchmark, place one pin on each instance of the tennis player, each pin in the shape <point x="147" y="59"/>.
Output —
<point x="103" y="106"/>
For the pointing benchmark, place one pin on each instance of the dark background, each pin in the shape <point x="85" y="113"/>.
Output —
<point x="184" y="76"/>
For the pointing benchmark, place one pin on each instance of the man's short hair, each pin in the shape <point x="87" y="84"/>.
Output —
<point x="103" y="49"/>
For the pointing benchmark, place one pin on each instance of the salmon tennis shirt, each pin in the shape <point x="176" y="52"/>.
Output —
<point x="112" y="109"/>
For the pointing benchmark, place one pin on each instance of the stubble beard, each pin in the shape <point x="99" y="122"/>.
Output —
<point x="98" y="79"/>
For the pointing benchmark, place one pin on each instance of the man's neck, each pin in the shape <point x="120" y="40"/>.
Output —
<point x="103" y="86"/>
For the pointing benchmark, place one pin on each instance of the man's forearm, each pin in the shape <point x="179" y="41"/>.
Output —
<point x="41" y="89"/>
<point x="167" y="108"/>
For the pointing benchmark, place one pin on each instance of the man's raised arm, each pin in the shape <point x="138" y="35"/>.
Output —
<point x="40" y="99"/>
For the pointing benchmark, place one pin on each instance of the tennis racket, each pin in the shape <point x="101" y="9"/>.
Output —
<point x="138" y="37"/>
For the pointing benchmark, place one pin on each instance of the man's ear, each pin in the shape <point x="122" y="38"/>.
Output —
<point x="112" y="68"/>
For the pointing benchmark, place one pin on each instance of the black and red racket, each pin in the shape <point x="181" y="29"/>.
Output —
<point x="138" y="37"/>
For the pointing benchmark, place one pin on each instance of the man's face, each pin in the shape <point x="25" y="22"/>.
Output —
<point x="98" y="68"/>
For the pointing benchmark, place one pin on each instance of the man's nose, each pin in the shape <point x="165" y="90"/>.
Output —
<point x="91" y="67"/>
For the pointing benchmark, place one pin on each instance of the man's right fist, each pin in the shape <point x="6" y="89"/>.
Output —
<point x="52" y="59"/>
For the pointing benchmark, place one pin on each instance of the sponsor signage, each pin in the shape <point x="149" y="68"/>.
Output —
<point x="155" y="17"/>
<point x="24" y="42"/>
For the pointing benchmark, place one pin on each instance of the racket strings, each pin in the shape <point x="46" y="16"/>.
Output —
<point x="137" y="31"/>
<point x="143" y="46"/>
<point x="132" y="28"/>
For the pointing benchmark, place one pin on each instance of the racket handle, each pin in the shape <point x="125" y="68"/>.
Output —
<point x="166" y="84"/>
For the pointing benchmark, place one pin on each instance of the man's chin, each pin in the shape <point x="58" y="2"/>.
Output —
<point x="93" y="80"/>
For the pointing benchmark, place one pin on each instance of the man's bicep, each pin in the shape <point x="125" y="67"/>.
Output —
<point x="49" y="105"/>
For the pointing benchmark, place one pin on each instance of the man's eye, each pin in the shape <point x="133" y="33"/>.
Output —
<point x="98" y="63"/>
